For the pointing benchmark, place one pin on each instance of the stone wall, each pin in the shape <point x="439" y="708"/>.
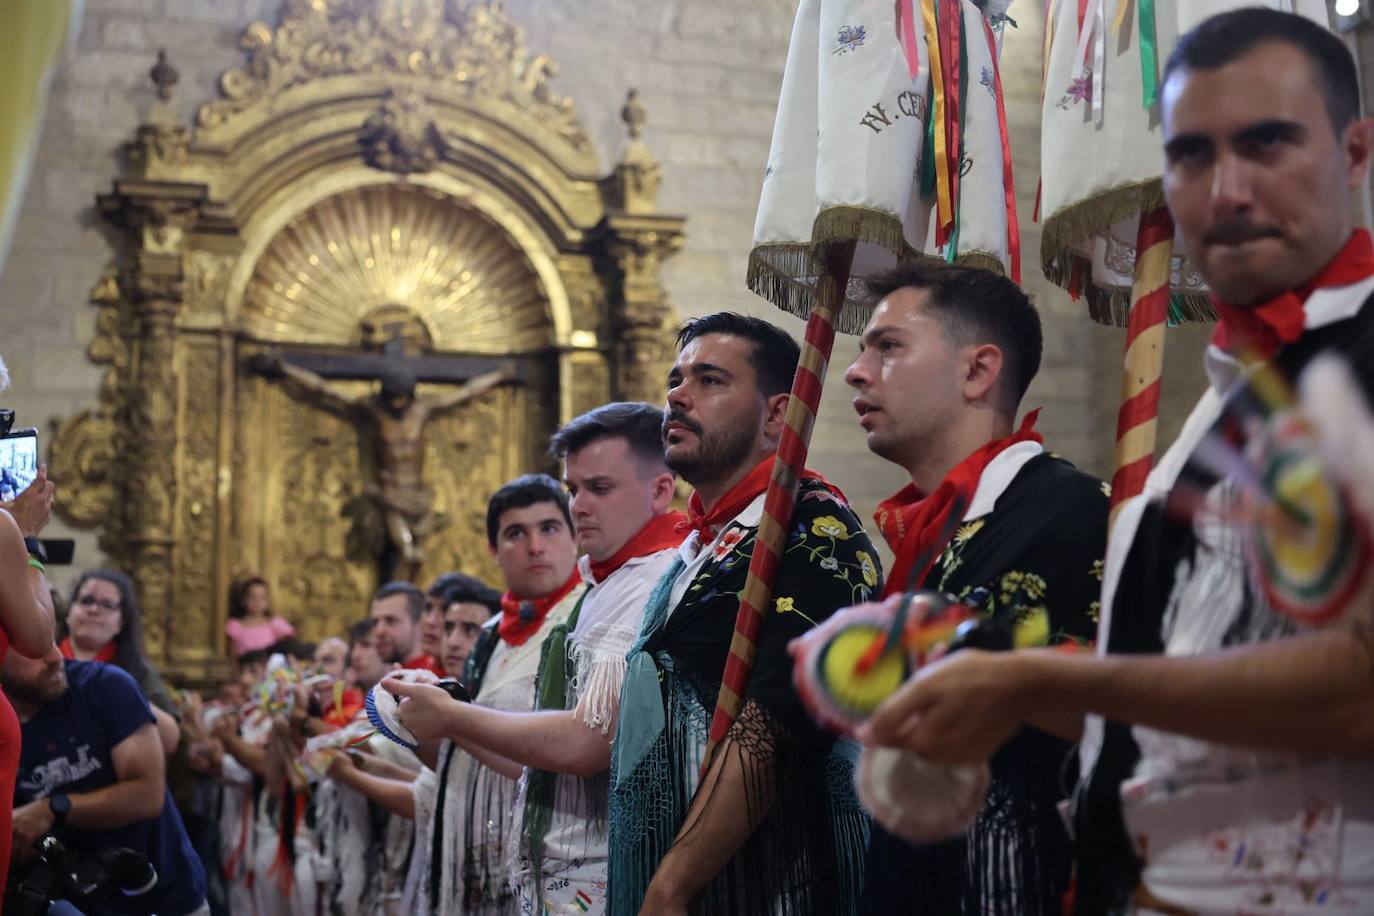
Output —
<point x="708" y="72"/>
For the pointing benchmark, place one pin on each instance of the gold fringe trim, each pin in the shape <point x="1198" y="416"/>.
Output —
<point x="859" y="224"/>
<point x="788" y="273"/>
<point x="1072" y="226"/>
<point x="1075" y="224"/>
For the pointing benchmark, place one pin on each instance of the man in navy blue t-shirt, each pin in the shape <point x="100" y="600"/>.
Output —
<point x="92" y="773"/>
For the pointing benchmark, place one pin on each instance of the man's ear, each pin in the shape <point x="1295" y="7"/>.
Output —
<point x="1359" y="143"/>
<point x="665" y="485"/>
<point x="982" y="372"/>
<point x="776" y="407"/>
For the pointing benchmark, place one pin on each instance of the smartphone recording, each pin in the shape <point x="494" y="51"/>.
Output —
<point x="18" y="462"/>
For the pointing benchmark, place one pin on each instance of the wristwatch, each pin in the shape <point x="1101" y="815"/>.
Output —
<point x="35" y="548"/>
<point x="61" y="806"/>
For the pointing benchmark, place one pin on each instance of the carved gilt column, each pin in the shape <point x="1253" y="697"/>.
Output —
<point x="156" y="217"/>
<point x="639" y="239"/>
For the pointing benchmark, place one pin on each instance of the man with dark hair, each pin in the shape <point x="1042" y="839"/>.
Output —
<point x="521" y="493"/>
<point x="469" y="605"/>
<point x="773" y="355"/>
<point x="1227" y="750"/>
<point x="432" y="619"/>
<point x="463" y="807"/>
<point x="621" y="488"/>
<point x="996" y="521"/>
<point x="366" y="663"/>
<point x="771" y="826"/>
<point x="93" y="773"/>
<point x="396" y="611"/>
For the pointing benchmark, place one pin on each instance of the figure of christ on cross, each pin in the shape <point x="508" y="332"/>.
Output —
<point x="394" y="421"/>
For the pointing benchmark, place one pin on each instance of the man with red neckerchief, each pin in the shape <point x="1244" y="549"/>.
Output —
<point x="772" y="826"/>
<point x="463" y="807"/>
<point x="621" y="489"/>
<point x="993" y="519"/>
<point x="1227" y="742"/>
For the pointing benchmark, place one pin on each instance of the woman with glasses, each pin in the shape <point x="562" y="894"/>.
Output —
<point x="26" y="617"/>
<point x="104" y="624"/>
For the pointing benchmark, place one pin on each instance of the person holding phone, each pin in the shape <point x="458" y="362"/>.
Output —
<point x="26" y="614"/>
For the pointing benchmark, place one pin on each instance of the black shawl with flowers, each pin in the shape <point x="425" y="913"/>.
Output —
<point x="1039" y="551"/>
<point x="805" y="853"/>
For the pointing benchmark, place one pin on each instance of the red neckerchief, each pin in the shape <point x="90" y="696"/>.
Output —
<point x="522" y="617"/>
<point x="659" y="534"/>
<point x="1269" y="325"/>
<point x="346" y="710"/>
<point x="106" y="654"/>
<point x="706" y="524"/>
<point x="912" y="523"/>
<point x="425" y="663"/>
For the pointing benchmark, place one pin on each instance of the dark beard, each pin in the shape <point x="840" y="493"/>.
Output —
<point x="717" y="457"/>
<point x="39" y="692"/>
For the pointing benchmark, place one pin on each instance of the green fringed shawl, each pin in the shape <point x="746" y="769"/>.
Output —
<point x="550" y="692"/>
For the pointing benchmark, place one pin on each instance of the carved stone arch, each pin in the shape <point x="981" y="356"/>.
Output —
<point x="433" y="104"/>
<point x="291" y="203"/>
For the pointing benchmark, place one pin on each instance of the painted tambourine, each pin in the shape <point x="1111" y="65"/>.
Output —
<point x="382" y="706"/>
<point x="1310" y="549"/>
<point x="845" y="668"/>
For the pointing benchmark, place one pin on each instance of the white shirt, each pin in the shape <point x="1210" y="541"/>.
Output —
<point x="575" y="847"/>
<point x="507" y="685"/>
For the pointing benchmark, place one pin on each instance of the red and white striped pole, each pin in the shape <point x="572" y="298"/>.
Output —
<point x="1137" y="420"/>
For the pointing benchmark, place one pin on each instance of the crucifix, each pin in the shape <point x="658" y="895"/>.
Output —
<point x="393" y="421"/>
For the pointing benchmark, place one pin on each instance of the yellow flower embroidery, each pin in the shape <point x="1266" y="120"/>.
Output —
<point x="828" y="526"/>
<point x="868" y="568"/>
<point x="1095" y="611"/>
<point x="1023" y="583"/>
<point x="1106" y="489"/>
<point x="783" y="605"/>
<point x="967" y="531"/>
<point x="1097" y="570"/>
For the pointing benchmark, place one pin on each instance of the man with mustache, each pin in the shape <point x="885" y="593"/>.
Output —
<point x="621" y="490"/>
<point x="994" y="520"/>
<point x="771" y="826"/>
<point x="1228" y="741"/>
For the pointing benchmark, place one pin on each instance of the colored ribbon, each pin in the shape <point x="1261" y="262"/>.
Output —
<point x="951" y="40"/>
<point x="952" y="252"/>
<point x="1149" y="54"/>
<point x="1091" y="53"/>
<point x="1119" y="19"/>
<point x="1008" y="178"/>
<point x="944" y="206"/>
<point x="906" y="34"/>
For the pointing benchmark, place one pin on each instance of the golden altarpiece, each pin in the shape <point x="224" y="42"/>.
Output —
<point x="377" y="168"/>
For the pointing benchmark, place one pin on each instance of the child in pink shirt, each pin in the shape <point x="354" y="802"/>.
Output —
<point x="252" y="625"/>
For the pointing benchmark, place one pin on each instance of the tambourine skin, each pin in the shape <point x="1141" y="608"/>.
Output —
<point x="916" y="800"/>
<point x="824" y="661"/>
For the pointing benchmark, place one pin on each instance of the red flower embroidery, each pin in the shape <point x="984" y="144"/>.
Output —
<point x="727" y="543"/>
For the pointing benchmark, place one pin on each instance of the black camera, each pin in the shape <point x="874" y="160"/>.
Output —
<point x="59" y="874"/>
